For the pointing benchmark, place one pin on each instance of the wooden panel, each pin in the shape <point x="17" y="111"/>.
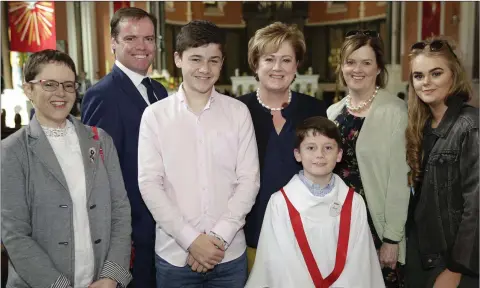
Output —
<point x="372" y="8"/>
<point x="140" y="4"/>
<point x="61" y="20"/>
<point x="451" y="27"/>
<point x="103" y="38"/>
<point x="317" y="12"/>
<point x="411" y="20"/>
<point x="232" y="13"/>
<point x="180" y="13"/>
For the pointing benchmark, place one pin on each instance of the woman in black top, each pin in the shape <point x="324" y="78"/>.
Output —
<point x="442" y="145"/>
<point x="274" y="53"/>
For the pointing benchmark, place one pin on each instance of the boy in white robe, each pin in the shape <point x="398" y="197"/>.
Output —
<point x="320" y="198"/>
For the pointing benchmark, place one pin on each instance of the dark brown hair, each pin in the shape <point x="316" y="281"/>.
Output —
<point x="419" y="112"/>
<point x="199" y="33"/>
<point x="36" y="61"/>
<point x="317" y="125"/>
<point x="357" y="41"/>
<point x="270" y="38"/>
<point x="130" y="12"/>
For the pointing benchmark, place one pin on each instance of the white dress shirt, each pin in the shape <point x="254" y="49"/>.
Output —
<point x="136" y="79"/>
<point x="69" y="156"/>
<point x="197" y="172"/>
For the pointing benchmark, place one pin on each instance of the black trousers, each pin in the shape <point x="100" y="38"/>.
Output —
<point x="417" y="277"/>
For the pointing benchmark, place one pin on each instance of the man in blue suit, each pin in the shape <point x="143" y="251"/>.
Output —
<point x="116" y="104"/>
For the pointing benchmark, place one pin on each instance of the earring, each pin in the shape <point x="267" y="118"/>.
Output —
<point x="256" y="77"/>
<point x="294" y="77"/>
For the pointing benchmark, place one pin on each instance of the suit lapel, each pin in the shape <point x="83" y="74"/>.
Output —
<point x="128" y="88"/>
<point x="88" y="144"/>
<point x="42" y="149"/>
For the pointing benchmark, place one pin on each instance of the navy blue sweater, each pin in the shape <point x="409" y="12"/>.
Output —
<point x="275" y="152"/>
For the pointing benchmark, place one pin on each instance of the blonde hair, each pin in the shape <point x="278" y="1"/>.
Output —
<point x="270" y="38"/>
<point x="357" y="41"/>
<point x="419" y="112"/>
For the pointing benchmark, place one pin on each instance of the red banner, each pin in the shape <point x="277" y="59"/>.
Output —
<point x="430" y="19"/>
<point x="32" y="26"/>
<point x="120" y="4"/>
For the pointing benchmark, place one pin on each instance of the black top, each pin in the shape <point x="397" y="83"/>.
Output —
<point x="275" y="151"/>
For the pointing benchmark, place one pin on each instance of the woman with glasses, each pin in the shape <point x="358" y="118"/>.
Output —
<point x="65" y="212"/>
<point x="372" y="123"/>
<point x="442" y="145"/>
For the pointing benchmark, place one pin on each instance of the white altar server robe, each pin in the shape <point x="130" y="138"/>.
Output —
<point x="279" y="262"/>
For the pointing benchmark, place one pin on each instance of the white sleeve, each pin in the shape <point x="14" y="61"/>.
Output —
<point x="269" y="263"/>
<point x="362" y="269"/>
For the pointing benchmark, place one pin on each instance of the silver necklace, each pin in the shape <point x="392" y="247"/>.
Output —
<point x="363" y="104"/>
<point x="274" y="109"/>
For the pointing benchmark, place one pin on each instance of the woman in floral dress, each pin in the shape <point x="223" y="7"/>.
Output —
<point x="372" y="123"/>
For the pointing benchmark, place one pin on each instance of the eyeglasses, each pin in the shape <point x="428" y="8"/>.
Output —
<point x="369" y="33"/>
<point x="435" y="45"/>
<point x="52" y="85"/>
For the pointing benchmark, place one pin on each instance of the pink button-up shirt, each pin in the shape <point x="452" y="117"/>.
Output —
<point x="197" y="173"/>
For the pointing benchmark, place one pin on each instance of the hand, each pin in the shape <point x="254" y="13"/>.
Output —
<point x="196" y="267"/>
<point x="388" y="255"/>
<point x="104" y="283"/>
<point x="204" y="250"/>
<point x="447" y="279"/>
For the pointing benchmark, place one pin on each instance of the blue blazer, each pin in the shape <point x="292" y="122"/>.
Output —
<point x="115" y="105"/>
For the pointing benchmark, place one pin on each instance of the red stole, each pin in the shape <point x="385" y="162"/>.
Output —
<point x="342" y="245"/>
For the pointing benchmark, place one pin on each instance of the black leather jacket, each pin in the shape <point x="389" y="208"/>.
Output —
<point x="446" y="215"/>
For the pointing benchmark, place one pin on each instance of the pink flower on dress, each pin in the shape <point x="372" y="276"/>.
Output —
<point x="345" y="172"/>
<point x="352" y="134"/>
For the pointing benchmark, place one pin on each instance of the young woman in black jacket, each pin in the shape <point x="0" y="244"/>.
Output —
<point x="442" y="152"/>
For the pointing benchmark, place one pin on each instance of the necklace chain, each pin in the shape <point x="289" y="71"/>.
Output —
<point x="274" y="109"/>
<point x="363" y="104"/>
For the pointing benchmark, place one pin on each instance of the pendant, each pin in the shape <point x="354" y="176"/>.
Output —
<point x="335" y="209"/>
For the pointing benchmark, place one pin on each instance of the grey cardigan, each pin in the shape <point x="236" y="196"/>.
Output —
<point x="381" y="156"/>
<point x="37" y="217"/>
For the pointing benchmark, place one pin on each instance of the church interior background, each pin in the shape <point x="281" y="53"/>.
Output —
<point x="82" y="30"/>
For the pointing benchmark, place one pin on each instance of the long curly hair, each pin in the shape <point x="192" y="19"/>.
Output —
<point x="419" y="112"/>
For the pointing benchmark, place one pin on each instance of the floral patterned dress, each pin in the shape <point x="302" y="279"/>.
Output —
<point x="349" y="171"/>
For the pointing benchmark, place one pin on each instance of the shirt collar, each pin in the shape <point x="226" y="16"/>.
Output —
<point x="316" y="189"/>
<point x="455" y="104"/>
<point x="134" y="76"/>
<point x="181" y="96"/>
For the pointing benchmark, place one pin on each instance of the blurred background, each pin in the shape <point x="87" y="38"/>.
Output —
<point x="82" y="30"/>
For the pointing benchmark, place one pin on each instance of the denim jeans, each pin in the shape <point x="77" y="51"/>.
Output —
<point x="232" y="274"/>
